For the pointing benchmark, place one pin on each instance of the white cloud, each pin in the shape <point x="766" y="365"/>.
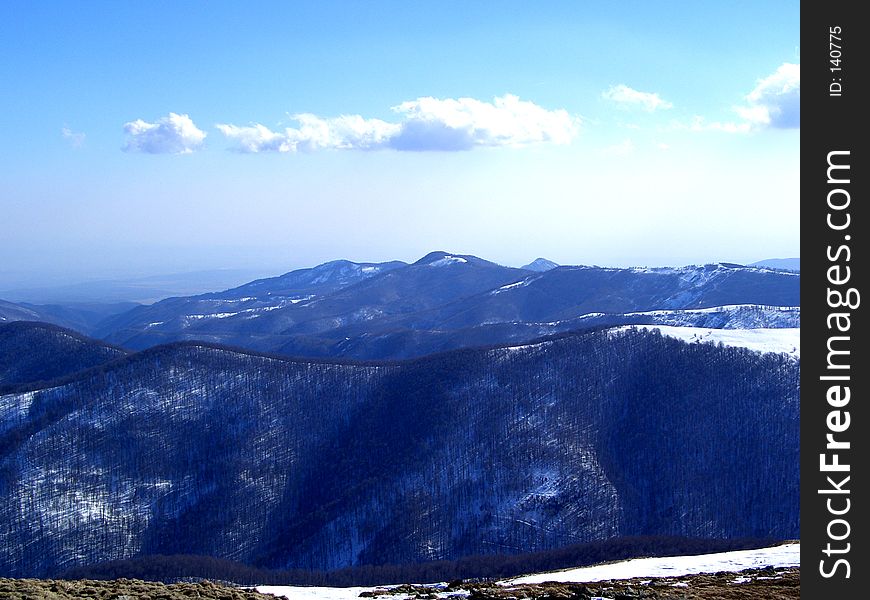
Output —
<point x="627" y="97"/>
<point x="776" y="100"/>
<point x="75" y="138"/>
<point x="774" y="103"/>
<point x="426" y="124"/>
<point x="460" y="124"/>
<point x="172" y="134"/>
<point x="313" y="133"/>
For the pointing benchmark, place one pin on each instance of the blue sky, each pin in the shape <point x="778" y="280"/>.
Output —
<point x="149" y="137"/>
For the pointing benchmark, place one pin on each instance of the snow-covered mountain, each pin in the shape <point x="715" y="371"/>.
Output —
<point x="321" y="279"/>
<point x="191" y="449"/>
<point x="446" y="301"/>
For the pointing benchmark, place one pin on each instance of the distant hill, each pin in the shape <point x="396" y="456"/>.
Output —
<point x="408" y="343"/>
<point x="82" y="317"/>
<point x="33" y="352"/>
<point x="790" y="264"/>
<point x="264" y="315"/>
<point x="446" y="301"/>
<point x="540" y="265"/>
<point x="9" y="311"/>
<point x="322" y="279"/>
<point x="280" y="463"/>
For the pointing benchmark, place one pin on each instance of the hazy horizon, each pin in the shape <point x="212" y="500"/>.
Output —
<point x="149" y="287"/>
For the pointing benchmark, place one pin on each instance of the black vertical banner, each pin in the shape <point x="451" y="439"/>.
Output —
<point x="834" y="370"/>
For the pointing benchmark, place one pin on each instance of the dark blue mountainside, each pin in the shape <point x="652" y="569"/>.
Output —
<point x="192" y="449"/>
<point x="32" y="352"/>
<point x="447" y="301"/>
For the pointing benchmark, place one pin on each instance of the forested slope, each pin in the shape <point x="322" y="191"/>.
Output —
<point x="187" y="449"/>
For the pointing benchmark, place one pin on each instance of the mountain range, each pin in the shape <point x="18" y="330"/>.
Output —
<point x="359" y="414"/>
<point x="190" y="448"/>
<point x="441" y="302"/>
<point x="446" y="301"/>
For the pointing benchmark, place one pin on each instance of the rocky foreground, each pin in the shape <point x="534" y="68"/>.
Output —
<point x="120" y="589"/>
<point x="751" y="584"/>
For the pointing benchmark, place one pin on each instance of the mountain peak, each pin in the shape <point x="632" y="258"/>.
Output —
<point x="540" y="265"/>
<point x="439" y="258"/>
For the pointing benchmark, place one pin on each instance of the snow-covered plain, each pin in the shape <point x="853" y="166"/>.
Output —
<point x="787" y="340"/>
<point x="785" y="555"/>
<point x="299" y="592"/>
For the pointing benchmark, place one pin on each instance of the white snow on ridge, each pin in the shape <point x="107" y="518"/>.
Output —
<point x="720" y="267"/>
<point x="786" y="555"/>
<point x="785" y="340"/>
<point x="447" y="260"/>
<point x="716" y="309"/>
<point x="508" y="286"/>
<point x="221" y="315"/>
<point x="516" y="284"/>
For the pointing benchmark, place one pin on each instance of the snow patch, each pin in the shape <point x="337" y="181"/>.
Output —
<point x="508" y="286"/>
<point x="447" y="260"/>
<point x="780" y="341"/>
<point x="14" y="409"/>
<point x="222" y="315"/>
<point x="293" y="592"/>
<point x="786" y="555"/>
<point x="715" y="309"/>
<point x="516" y="284"/>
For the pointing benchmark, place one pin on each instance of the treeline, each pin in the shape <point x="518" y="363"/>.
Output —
<point x="170" y="569"/>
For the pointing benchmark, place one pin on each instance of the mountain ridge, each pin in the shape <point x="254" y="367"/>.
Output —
<point x="32" y="352"/>
<point x="356" y="456"/>
<point x="411" y="304"/>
